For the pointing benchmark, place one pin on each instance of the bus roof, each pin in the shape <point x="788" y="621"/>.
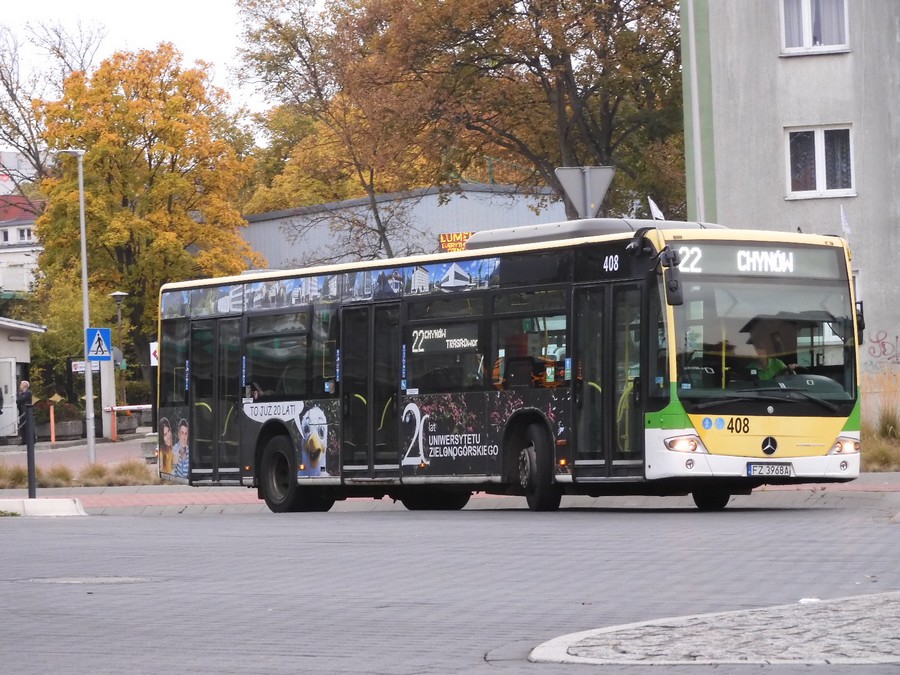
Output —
<point x="574" y="229"/>
<point x="525" y="238"/>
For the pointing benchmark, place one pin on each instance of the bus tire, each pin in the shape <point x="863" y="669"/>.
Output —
<point x="278" y="478"/>
<point x="451" y="501"/>
<point x="536" y="470"/>
<point x="313" y="499"/>
<point x="711" y="499"/>
<point x="435" y="500"/>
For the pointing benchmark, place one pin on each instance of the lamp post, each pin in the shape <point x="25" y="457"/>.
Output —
<point x="119" y="296"/>
<point x="85" y="312"/>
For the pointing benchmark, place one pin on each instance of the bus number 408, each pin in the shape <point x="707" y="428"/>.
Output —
<point x="739" y="425"/>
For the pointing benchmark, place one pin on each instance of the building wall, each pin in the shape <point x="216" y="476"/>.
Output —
<point x="19" y="248"/>
<point x="14" y="169"/>
<point x="476" y="208"/>
<point x="755" y="91"/>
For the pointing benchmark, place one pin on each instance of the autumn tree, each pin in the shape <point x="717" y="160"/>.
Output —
<point x="164" y="163"/>
<point x="547" y="82"/>
<point x="364" y="142"/>
<point x="533" y="83"/>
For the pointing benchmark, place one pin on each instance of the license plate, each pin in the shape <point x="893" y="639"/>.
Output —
<point x="770" y="469"/>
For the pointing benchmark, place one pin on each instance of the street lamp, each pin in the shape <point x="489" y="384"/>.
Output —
<point x="85" y="313"/>
<point x="119" y="296"/>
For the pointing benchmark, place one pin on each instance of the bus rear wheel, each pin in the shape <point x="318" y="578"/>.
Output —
<point x="536" y="470"/>
<point x="711" y="499"/>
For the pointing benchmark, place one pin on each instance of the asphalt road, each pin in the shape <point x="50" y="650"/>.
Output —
<point x="372" y="588"/>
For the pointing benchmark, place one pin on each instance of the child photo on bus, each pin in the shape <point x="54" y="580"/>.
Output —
<point x="180" y="452"/>
<point x="165" y="445"/>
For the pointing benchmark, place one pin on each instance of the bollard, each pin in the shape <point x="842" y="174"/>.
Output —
<point x="29" y="444"/>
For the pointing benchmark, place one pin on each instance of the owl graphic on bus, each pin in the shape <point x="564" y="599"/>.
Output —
<point x="314" y="435"/>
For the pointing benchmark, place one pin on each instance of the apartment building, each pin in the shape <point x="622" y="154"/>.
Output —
<point x="789" y="126"/>
<point x="19" y="248"/>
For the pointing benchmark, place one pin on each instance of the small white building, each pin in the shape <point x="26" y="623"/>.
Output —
<point x="15" y="358"/>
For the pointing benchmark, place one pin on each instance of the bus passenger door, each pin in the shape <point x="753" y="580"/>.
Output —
<point x="608" y="429"/>
<point x="215" y="368"/>
<point x="370" y="372"/>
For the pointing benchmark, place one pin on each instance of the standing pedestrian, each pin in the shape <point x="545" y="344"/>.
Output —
<point x="23" y="398"/>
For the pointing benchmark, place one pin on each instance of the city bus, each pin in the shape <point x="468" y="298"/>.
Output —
<point x="592" y="357"/>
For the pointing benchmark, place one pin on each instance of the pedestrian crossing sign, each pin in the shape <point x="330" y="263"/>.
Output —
<point x="99" y="344"/>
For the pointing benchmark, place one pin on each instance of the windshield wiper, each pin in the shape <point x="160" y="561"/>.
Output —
<point x="812" y="397"/>
<point x="732" y="398"/>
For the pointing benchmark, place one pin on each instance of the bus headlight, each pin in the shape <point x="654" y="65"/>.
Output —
<point x="685" y="444"/>
<point x="844" y="446"/>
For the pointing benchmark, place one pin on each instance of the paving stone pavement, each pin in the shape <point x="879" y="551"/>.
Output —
<point x="861" y="630"/>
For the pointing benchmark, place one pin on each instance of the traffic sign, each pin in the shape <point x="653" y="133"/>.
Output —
<point x="78" y="367"/>
<point x="585" y="186"/>
<point x="99" y="341"/>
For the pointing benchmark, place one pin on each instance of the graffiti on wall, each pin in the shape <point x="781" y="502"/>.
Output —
<point x="882" y="350"/>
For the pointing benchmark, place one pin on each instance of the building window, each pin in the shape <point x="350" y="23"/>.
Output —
<point x="4" y="237"/>
<point x="814" y="25"/>
<point x="820" y="162"/>
<point x="24" y="234"/>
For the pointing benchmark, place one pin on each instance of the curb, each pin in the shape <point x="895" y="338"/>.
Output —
<point x="43" y="507"/>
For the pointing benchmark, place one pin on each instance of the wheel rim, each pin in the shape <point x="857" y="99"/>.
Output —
<point x="526" y="466"/>
<point x="278" y="477"/>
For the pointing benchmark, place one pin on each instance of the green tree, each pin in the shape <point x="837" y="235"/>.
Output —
<point x="164" y="165"/>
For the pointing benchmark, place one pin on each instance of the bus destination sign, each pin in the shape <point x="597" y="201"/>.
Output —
<point x="760" y="259"/>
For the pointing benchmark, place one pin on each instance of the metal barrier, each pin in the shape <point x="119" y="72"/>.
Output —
<point x="123" y="408"/>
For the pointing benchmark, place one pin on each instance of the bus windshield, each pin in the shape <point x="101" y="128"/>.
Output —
<point x="757" y="338"/>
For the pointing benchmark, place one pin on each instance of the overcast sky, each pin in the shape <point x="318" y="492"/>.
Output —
<point x="199" y="29"/>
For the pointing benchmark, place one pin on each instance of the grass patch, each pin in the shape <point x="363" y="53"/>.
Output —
<point x="879" y="453"/>
<point x="132" y="472"/>
<point x="9" y="514"/>
<point x="881" y="441"/>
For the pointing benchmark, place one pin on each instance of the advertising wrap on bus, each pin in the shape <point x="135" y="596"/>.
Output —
<point x="445" y="434"/>
<point x="649" y="358"/>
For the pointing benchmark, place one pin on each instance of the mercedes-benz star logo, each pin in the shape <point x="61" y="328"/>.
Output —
<point x="769" y="445"/>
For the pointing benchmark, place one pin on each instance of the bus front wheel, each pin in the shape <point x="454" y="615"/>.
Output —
<point x="536" y="470"/>
<point x="711" y="499"/>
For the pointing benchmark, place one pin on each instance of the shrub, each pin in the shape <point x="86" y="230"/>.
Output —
<point x="93" y="475"/>
<point x="888" y="423"/>
<point x="62" y="411"/>
<point x="59" y="475"/>
<point x="13" y="477"/>
<point x="137" y="392"/>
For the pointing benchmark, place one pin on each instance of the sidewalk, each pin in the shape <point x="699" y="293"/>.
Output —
<point x="881" y="490"/>
<point x="175" y="499"/>
<point x="858" y="631"/>
<point x="74" y="453"/>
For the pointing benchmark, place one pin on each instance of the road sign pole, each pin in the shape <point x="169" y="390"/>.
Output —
<point x="587" y="193"/>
